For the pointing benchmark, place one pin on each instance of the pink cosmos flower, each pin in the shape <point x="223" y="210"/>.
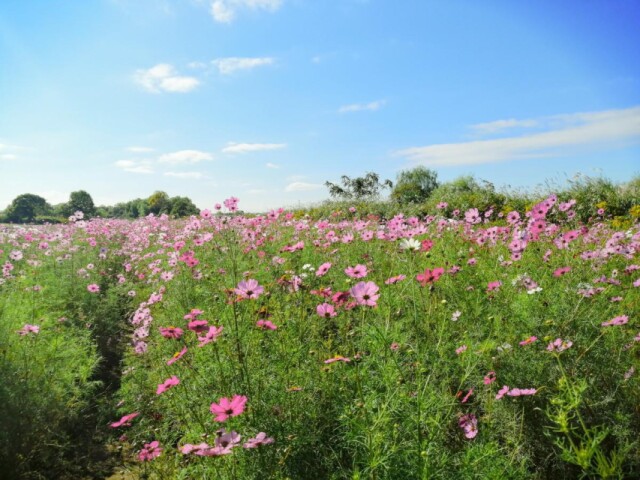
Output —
<point x="188" y="448"/>
<point x="337" y="358"/>
<point x="396" y="279"/>
<point x="429" y="276"/>
<point x="559" y="345"/>
<point x="266" y="325"/>
<point x="150" y="451"/>
<point x="621" y="320"/>
<point x="326" y="310"/>
<point x="168" y="383"/>
<point x="561" y="271"/>
<point x="323" y="269"/>
<point x="394" y="346"/>
<point x="93" y="288"/>
<point x="249" y="289"/>
<point x="211" y="336"/>
<point x="461" y="349"/>
<point x="365" y="293"/>
<point x="469" y="424"/>
<point x="198" y="326"/>
<point x="442" y="205"/>
<point x="359" y="271"/>
<point x="125" y="421"/>
<point x="426" y="245"/>
<point x="260" y="439"/>
<point x="489" y="378"/>
<point x="28" y="328"/>
<point x="177" y="356"/>
<point x="528" y="341"/>
<point x="193" y="314"/>
<point x="226" y="408"/>
<point x="171" y="332"/>
<point x="466" y="397"/>
<point x="519" y="392"/>
<point x="502" y="392"/>
<point x="494" y="286"/>
<point x="224" y="443"/>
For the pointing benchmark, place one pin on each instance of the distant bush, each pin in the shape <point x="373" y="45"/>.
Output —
<point x="464" y="193"/>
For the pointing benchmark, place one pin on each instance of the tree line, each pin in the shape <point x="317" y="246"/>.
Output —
<point x="31" y="208"/>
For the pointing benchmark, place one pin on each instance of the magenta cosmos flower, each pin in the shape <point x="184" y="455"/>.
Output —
<point x="167" y="384"/>
<point x="359" y="271"/>
<point x="177" y="356"/>
<point x="125" y="421"/>
<point x="211" y="336"/>
<point x="249" y="289"/>
<point x="226" y="408"/>
<point x="266" y="325"/>
<point x="365" y="293"/>
<point x="150" y="451"/>
<point x="429" y="276"/>
<point x="469" y="425"/>
<point x="171" y="332"/>
<point x="93" y="288"/>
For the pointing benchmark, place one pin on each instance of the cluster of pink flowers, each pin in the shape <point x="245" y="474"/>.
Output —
<point x="559" y="345"/>
<point x="224" y="443"/>
<point x="469" y="425"/>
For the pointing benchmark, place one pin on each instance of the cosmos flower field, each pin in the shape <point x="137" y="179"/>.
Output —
<point x="477" y="344"/>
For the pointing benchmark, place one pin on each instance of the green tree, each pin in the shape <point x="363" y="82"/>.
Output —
<point x="182" y="207"/>
<point x="358" y="188"/>
<point x="158" y="203"/>
<point x="415" y="185"/>
<point x="81" y="201"/>
<point x="24" y="208"/>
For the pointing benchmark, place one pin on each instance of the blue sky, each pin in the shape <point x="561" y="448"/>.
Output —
<point x="268" y="99"/>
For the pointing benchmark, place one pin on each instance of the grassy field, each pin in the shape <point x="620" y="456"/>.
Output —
<point x="460" y="344"/>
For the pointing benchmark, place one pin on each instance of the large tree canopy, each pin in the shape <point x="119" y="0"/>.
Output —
<point x="24" y="208"/>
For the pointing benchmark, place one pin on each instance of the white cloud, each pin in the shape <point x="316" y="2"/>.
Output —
<point x="185" y="175"/>
<point x="252" y="147"/>
<point x="164" y="78"/>
<point x="565" y="134"/>
<point x="272" y="165"/>
<point x="140" y="149"/>
<point x="185" y="156"/>
<point x="229" y="65"/>
<point x="8" y="156"/>
<point x="135" y="166"/>
<point x="224" y="11"/>
<point x="360" y="107"/>
<point x="501" y="125"/>
<point x="302" y="187"/>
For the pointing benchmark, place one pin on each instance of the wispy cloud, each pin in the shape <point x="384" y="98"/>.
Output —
<point x="164" y="78"/>
<point x="8" y="156"/>
<point x="229" y="65"/>
<point x="272" y="165"/>
<point x="252" y="147"/>
<point x="302" y="187"/>
<point x="140" y="149"/>
<point x="502" y="125"/>
<point x="225" y="11"/>
<point x="362" y="107"/>
<point x="135" y="166"/>
<point x="185" y="156"/>
<point x="185" y="175"/>
<point x="564" y="135"/>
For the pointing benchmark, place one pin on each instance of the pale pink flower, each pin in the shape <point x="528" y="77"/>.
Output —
<point x="365" y="293"/>
<point x="249" y="289"/>
<point x="266" y="325"/>
<point x="621" y="320"/>
<point x="93" y="288"/>
<point x="326" y="310"/>
<point x="260" y="439"/>
<point x="211" y="336"/>
<point x="469" y="424"/>
<point x="323" y="269"/>
<point x="359" y="271"/>
<point x="337" y="358"/>
<point x="461" y="349"/>
<point x="28" y="328"/>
